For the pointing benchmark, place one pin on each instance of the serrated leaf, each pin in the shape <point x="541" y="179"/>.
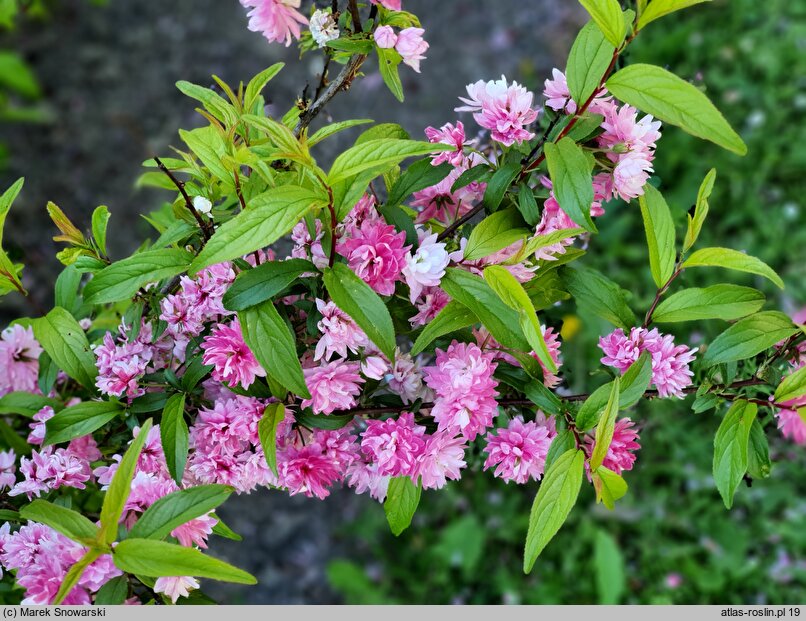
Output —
<point x="420" y="175"/>
<point x="700" y="210"/>
<point x="588" y="60"/>
<point x="388" y="64"/>
<point x="269" y="217"/>
<point x="733" y="260"/>
<point x="273" y="415"/>
<point x="268" y="336"/>
<point x="556" y="497"/>
<point x="673" y="100"/>
<point x="26" y="404"/>
<point x="120" y="488"/>
<point x="759" y="465"/>
<point x="363" y="305"/>
<point x="608" y="16"/>
<point x="659" y="229"/>
<point x="495" y="232"/>
<point x="451" y="318"/>
<point x="499" y="183"/>
<point x="174" y="435"/>
<point x="726" y="302"/>
<point x="334" y="128"/>
<point x="792" y="386"/>
<point x="598" y="294"/>
<point x="79" y="420"/>
<point x="659" y="8"/>
<point x="748" y="337"/>
<point x="606" y="426"/>
<point x="69" y="523"/>
<point x="113" y="593"/>
<point x="122" y="279"/>
<point x="380" y="153"/>
<point x="730" y="448"/>
<point x="178" y="508"/>
<point x="609" y="487"/>
<point x="157" y="558"/>
<point x="65" y="342"/>
<point x="401" y="502"/>
<point x="263" y="282"/>
<point x="100" y="220"/>
<point x="571" y="176"/>
<point x="258" y="83"/>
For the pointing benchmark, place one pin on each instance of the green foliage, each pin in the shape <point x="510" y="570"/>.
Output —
<point x="401" y="502"/>
<point x="570" y="170"/>
<point x="174" y="436"/>
<point x="659" y="229"/>
<point x="730" y="448"/>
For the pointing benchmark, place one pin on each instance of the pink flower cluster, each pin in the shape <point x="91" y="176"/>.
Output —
<point x="486" y="341"/>
<point x="505" y="109"/>
<point x="277" y="20"/>
<point x="621" y="453"/>
<point x="19" y="360"/>
<point x="670" y="363"/>
<point x="519" y="451"/>
<point x="462" y="379"/>
<point x="232" y="361"/>
<point x="409" y="43"/>
<point x="42" y="557"/>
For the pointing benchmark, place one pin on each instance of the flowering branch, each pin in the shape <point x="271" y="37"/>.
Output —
<point x="188" y="202"/>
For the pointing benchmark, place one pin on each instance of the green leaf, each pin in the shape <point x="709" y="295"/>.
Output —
<point x="208" y="145"/>
<point x="174" y="436"/>
<point x="178" y="508"/>
<point x="659" y="229"/>
<point x="26" y="404"/>
<point x="733" y="260"/>
<point x="273" y="415"/>
<point x="65" y="342"/>
<point x="152" y="558"/>
<point x="67" y="288"/>
<point x="74" y="574"/>
<point x="599" y="295"/>
<point x="263" y="282"/>
<point x="80" y="420"/>
<point x="363" y="305"/>
<point x="258" y="83"/>
<point x="727" y="302"/>
<point x="633" y="385"/>
<point x="420" y="175"/>
<point x="659" y="8"/>
<point x="120" y="487"/>
<point x="527" y="204"/>
<point x="214" y="103"/>
<point x="401" y="502"/>
<point x="100" y="220"/>
<point x="61" y="519"/>
<point x="9" y="438"/>
<point x="123" y="279"/>
<point x="450" y="319"/>
<point x="113" y="593"/>
<point x="610" y="574"/>
<point x="730" y="448"/>
<point x="675" y="101"/>
<point x="570" y="172"/>
<point x="497" y="231"/>
<point x="792" y="386"/>
<point x="608" y="16"/>
<point x="562" y="443"/>
<point x="269" y="217"/>
<point x="759" y="465"/>
<point x="475" y="294"/>
<point x="700" y="210"/>
<point x="380" y="153"/>
<point x="588" y="60"/>
<point x="388" y="63"/>
<point x="334" y="128"/>
<point x="606" y="426"/>
<point x="328" y="422"/>
<point x="609" y="487"/>
<point x="268" y="336"/>
<point x="222" y="530"/>
<point x="748" y="337"/>
<point x="556" y="497"/>
<point x="512" y="293"/>
<point x="499" y="183"/>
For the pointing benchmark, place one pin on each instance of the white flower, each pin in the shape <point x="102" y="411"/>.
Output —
<point x="323" y="27"/>
<point x="202" y="205"/>
<point x="426" y="267"/>
<point x="176" y="586"/>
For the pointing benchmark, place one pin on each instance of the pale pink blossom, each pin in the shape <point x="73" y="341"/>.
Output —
<point x="233" y="362"/>
<point x="443" y="204"/>
<point x="19" y="360"/>
<point x="557" y="95"/>
<point x="339" y="332"/>
<point x="411" y="46"/>
<point x="394" y="444"/>
<point x="518" y="451"/>
<point x="120" y="367"/>
<point x="405" y="378"/>
<point x="376" y="253"/>
<point x="385" y="37"/>
<point x="8" y="466"/>
<point x="38" y="427"/>
<point x="621" y="453"/>
<point x="176" y="586"/>
<point x="454" y="136"/>
<point x="374" y="367"/>
<point x="433" y="300"/>
<point x="308" y="470"/>
<point x="462" y="379"/>
<point x="505" y="109"/>
<point x="552" y="339"/>
<point x="277" y="20"/>
<point x="671" y="373"/>
<point x="426" y="267"/>
<point x="442" y="458"/>
<point x="365" y="477"/>
<point x="791" y="422"/>
<point x="392" y="5"/>
<point x="307" y="246"/>
<point x="333" y="386"/>
<point x="324" y="27"/>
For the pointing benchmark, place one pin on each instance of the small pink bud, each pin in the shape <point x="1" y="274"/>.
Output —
<point x="385" y="37"/>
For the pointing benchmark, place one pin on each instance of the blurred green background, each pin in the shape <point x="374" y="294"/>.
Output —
<point x="671" y="539"/>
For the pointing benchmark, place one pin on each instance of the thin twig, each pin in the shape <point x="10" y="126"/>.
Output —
<point x="354" y="13"/>
<point x="188" y="202"/>
<point x="659" y="294"/>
